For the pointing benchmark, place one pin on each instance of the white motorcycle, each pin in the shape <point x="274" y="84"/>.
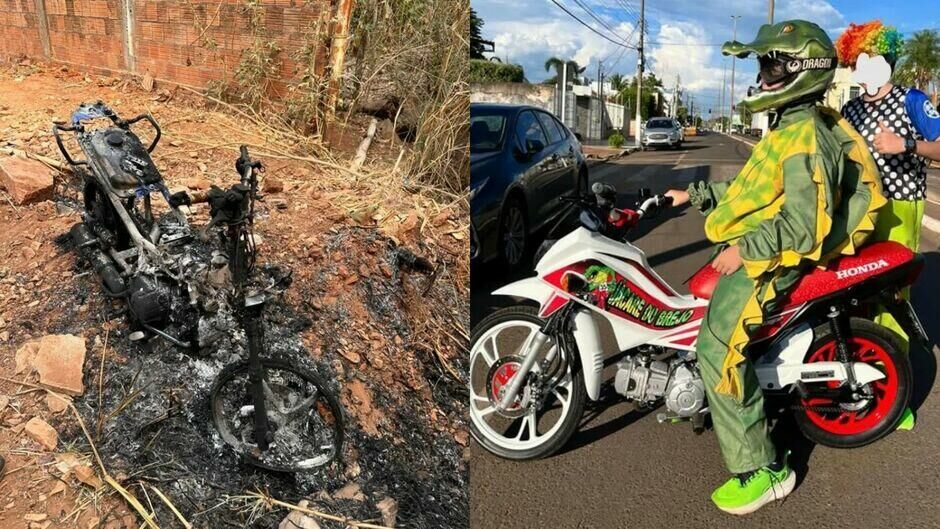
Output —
<point x="532" y="366"/>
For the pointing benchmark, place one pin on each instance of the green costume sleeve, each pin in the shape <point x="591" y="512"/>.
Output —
<point x="794" y="227"/>
<point x="704" y="195"/>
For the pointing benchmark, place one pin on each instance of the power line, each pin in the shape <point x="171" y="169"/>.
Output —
<point x="583" y="23"/>
<point x="593" y="15"/>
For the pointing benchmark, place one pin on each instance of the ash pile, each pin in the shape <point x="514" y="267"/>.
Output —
<point x="403" y="463"/>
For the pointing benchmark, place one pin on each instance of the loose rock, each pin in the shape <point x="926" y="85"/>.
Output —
<point x="40" y="431"/>
<point x="59" y="363"/>
<point x="27" y="181"/>
<point x="298" y="520"/>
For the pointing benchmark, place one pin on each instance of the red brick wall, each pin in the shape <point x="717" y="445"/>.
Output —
<point x="86" y="32"/>
<point x="201" y="40"/>
<point x="186" y="41"/>
<point x="19" y="29"/>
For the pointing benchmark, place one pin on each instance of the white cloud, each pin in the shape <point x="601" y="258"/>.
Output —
<point x="531" y="43"/>
<point x="695" y="64"/>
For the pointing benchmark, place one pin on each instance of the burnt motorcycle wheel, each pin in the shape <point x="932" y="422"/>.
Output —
<point x="306" y="417"/>
<point x="542" y="420"/>
<point x="847" y="424"/>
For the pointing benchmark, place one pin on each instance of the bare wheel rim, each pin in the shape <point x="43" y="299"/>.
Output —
<point x="541" y="421"/>
<point x="307" y="428"/>
<point x="514" y="235"/>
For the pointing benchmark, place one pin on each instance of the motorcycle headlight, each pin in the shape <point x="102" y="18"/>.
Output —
<point x="476" y="190"/>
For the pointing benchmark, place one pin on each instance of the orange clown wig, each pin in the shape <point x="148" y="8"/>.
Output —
<point x="872" y="38"/>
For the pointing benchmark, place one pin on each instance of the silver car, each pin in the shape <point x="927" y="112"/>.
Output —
<point x="662" y="132"/>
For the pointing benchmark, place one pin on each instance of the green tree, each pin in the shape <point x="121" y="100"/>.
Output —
<point x="920" y="62"/>
<point x="651" y="104"/>
<point x="574" y="71"/>
<point x="617" y="82"/>
<point x="476" y="35"/>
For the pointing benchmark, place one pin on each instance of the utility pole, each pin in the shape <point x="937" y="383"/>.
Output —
<point x="600" y="88"/>
<point x="600" y="101"/>
<point x="733" y="38"/>
<point x="721" y="103"/>
<point x="770" y="12"/>
<point x="564" y="89"/>
<point x="639" y="69"/>
<point x="675" y="99"/>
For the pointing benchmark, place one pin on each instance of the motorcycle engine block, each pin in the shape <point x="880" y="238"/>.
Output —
<point x="646" y="380"/>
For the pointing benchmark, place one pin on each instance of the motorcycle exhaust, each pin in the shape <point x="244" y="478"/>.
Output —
<point x="87" y="245"/>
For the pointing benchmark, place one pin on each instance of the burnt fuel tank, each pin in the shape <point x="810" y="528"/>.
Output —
<point x="121" y="156"/>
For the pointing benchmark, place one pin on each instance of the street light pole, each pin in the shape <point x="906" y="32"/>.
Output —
<point x="639" y="70"/>
<point x="733" y="38"/>
<point x="770" y="12"/>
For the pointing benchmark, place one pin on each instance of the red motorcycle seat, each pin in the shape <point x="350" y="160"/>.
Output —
<point x="842" y="272"/>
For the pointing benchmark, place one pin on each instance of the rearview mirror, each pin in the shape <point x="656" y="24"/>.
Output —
<point x="533" y="146"/>
<point x="577" y="136"/>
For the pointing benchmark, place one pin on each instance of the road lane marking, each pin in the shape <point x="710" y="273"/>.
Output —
<point x="742" y="140"/>
<point x="931" y="224"/>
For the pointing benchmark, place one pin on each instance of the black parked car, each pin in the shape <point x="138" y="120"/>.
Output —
<point x="522" y="159"/>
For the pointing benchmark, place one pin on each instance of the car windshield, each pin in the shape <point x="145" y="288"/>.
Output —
<point x="486" y="132"/>
<point x="659" y="124"/>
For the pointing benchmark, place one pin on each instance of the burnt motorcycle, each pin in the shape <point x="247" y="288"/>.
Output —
<point x="190" y="286"/>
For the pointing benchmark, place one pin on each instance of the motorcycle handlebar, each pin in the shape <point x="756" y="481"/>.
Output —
<point x="656" y="201"/>
<point x="56" y="127"/>
<point x="124" y="123"/>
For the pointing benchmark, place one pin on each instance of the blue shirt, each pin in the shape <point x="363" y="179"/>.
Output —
<point x="924" y="116"/>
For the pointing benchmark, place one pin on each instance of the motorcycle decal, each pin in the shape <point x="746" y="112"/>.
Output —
<point x="607" y="290"/>
<point x="862" y="269"/>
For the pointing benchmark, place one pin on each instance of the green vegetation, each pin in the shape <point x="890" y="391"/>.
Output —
<point x="483" y="71"/>
<point x="615" y="140"/>
<point x="920" y="62"/>
<point x="476" y="33"/>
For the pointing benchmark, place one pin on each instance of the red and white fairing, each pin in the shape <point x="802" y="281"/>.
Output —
<point x="658" y="315"/>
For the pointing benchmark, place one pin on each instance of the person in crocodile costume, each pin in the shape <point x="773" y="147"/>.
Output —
<point x="808" y="192"/>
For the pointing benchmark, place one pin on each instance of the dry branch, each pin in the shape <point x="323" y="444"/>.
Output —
<point x="364" y="146"/>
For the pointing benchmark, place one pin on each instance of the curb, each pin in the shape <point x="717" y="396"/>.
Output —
<point x="591" y="162"/>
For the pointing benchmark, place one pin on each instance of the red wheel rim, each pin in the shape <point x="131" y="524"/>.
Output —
<point x="885" y="391"/>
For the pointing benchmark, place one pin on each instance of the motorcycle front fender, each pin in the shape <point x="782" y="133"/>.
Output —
<point x="530" y="288"/>
<point x="587" y="335"/>
<point x="585" y="328"/>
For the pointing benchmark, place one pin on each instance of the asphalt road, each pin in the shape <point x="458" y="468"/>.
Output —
<point x="624" y="470"/>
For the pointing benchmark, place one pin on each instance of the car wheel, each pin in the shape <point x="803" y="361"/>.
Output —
<point x="584" y="188"/>
<point x="513" y="233"/>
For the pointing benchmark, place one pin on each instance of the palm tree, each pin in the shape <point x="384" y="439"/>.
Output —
<point x="920" y="64"/>
<point x="617" y="82"/>
<point x="573" y="69"/>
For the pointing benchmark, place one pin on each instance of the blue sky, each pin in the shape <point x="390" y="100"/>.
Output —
<point x="528" y="32"/>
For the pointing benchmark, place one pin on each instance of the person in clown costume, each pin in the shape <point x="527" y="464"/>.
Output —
<point x="901" y="127"/>
<point x="809" y="192"/>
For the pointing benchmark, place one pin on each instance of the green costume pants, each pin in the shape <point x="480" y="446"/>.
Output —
<point x="899" y="221"/>
<point x="741" y="427"/>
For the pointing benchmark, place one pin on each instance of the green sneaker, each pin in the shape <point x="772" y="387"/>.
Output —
<point x="745" y="493"/>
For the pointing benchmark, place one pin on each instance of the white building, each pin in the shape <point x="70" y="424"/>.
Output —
<point x="842" y="90"/>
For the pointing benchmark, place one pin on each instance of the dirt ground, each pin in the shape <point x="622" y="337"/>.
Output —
<point x="390" y="340"/>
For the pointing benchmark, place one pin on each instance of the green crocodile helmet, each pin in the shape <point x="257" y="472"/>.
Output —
<point x="797" y="61"/>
